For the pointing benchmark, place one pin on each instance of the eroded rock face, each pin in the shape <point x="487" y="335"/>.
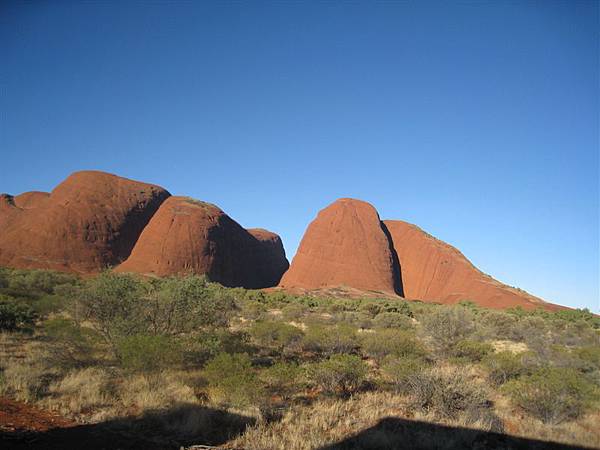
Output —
<point x="270" y="255"/>
<point x="435" y="271"/>
<point x="190" y="236"/>
<point x="346" y="245"/>
<point x="33" y="199"/>
<point x="89" y="221"/>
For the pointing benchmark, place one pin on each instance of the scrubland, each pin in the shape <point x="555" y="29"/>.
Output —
<point x="295" y="372"/>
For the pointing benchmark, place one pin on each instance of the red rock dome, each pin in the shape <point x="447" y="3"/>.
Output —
<point x="89" y="221"/>
<point x="191" y="236"/>
<point x="433" y="270"/>
<point x="346" y="245"/>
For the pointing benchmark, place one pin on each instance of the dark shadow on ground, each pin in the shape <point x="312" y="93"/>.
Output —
<point x="394" y="433"/>
<point x="184" y="425"/>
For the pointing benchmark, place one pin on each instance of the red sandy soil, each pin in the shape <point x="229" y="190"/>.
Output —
<point x="344" y="245"/>
<point x="433" y="270"/>
<point x="89" y="221"/>
<point x="16" y="416"/>
<point x="190" y="236"/>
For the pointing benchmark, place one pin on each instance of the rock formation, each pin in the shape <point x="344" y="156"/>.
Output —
<point x="33" y="199"/>
<point x="435" y="271"/>
<point x="190" y="236"/>
<point x="346" y="245"/>
<point x="89" y="221"/>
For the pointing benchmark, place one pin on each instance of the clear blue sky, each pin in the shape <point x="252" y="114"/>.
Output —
<point x="477" y="121"/>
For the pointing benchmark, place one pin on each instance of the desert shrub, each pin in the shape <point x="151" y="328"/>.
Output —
<point x="371" y="308"/>
<point x="49" y="304"/>
<point x="325" y="339"/>
<point x="531" y="329"/>
<point x="501" y="325"/>
<point x="471" y="351"/>
<point x="574" y="315"/>
<point x="120" y="305"/>
<point x="204" y="345"/>
<point x="72" y="345"/>
<point x="35" y="282"/>
<point x="398" y="343"/>
<point x="15" y="315"/>
<point x="448" y="394"/>
<point x="232" y="380"/>
<point x="392" y="320"/>
<point x="283" y="378"/>
<point x="293" y="311"/>
<point x="504" y="366"/>
<point x="552" y="395"/>
<point x="277" y="335"/>
<point x="148" y="353"/>
<point x="399" y="307"/>
<point x="447" y="326"/>
<point x="589" y="357"/>
<point x="341" y="374"/>
<point x="400" y="371"/>
<point x="185" y="304"/>
<point x="574" y="333"/>
<point x="253" y="310"/>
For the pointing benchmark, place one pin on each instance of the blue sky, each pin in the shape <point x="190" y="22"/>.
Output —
<point x="477" y="121"/>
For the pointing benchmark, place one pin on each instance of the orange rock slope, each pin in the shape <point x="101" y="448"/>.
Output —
<point x="190" y="236"/>
<point x="345" y="245"/>
<point x="435" y="271"/>
<point x="89" y="221"/>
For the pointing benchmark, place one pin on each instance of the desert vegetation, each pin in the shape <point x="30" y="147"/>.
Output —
<point x="306" y="371"/>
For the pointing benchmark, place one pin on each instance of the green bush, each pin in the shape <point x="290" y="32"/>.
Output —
<point x="232" y="380"/>
<point x="504" y="366"/>
<point x="36" y="282"/>
<point x="293" y="311"/>
<point x="148" y="353"/>
<point x="400" y="371"/>
<point x="283" y="378"/>
<point x="72" y="345"/>
<point x="120" y="305"/>
<point x="471" y="351"/>
<point x="277" y="335"/>
<point x="201" y="346"/>
<point x="552" y="394"/>
<point x="447" y="326"/>
<point x="342" y="374"/>
<point x="398" y="343"/>
<point x="589" y="357"/>
<point x="341" y="338"/>
<point x="371" y="308"/>
<point x="449" y="394"/>
<point x="15" y="315"/>
<point x="392" y="320"/>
